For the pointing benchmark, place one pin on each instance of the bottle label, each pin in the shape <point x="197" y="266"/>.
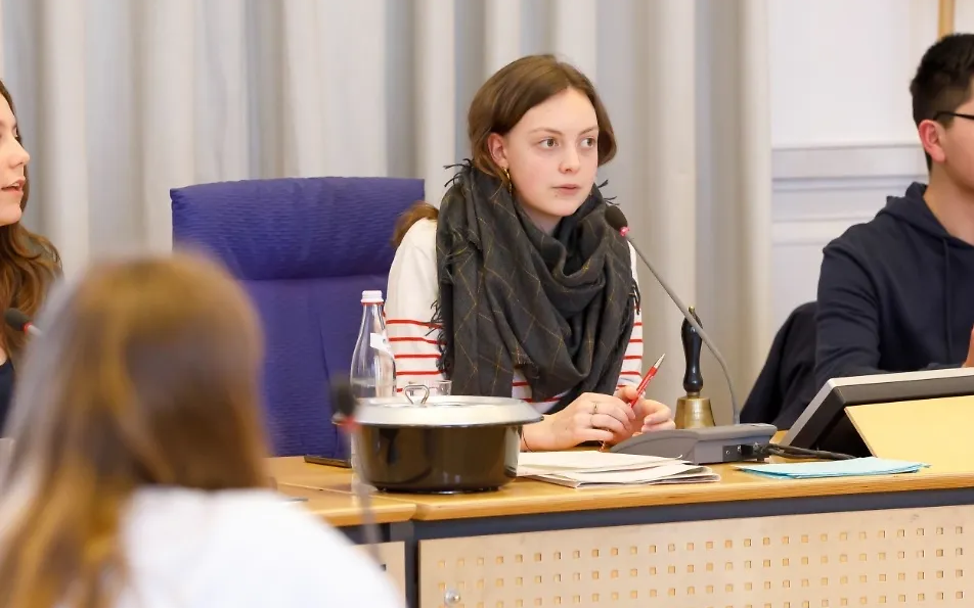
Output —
<point x="381" y="343"/>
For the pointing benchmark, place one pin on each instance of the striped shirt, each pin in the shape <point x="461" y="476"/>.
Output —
<point x="411" y="294"/>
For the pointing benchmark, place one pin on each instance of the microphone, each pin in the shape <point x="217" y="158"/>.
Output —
<point x="345" y="403"/>
<point x="617" y="220"/>
<point x="19" y="320"/>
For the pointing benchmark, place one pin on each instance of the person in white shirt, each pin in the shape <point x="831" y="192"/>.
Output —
<point x="516" y="286"/>
<point x="137" y="475"/>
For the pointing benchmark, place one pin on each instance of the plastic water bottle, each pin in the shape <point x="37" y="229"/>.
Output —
<point x="373" y="372"/>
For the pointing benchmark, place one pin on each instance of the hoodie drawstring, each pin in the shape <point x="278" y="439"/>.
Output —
<point x="950" y="342"/>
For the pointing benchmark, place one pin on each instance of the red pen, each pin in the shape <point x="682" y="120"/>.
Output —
<point x="641" y="389"/>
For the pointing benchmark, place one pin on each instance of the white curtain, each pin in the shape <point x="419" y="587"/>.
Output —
<point x="120" y="100"/>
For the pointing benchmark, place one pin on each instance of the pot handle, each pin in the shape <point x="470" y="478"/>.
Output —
<point x="412" y="389"/>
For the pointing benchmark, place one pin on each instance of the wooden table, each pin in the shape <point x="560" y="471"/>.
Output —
<point x="342" y="509"/>
<point x="744" y="541"/>
<point x="293" y="470"/>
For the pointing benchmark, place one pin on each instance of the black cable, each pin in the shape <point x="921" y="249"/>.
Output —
<point x="787" y="451"/>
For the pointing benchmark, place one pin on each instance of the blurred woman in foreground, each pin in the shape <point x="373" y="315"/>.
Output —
<point x="137" y="476"/>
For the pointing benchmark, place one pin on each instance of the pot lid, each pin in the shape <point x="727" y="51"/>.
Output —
<point x="443" y="410"/>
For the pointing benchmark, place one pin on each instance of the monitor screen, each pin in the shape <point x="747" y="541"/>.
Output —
<point x="824" y="425"/>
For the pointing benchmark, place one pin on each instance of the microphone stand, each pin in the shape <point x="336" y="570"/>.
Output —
<point x="701" y="444"/>
<point x="693" y="323"/>
<point x="363" y="493"/>
<point x="346" y="404"/>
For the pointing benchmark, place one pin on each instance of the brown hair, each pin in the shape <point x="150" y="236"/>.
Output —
<point x="500" y="104"/>
<point x="28" y="265"/>
<point x="157" y="361"/>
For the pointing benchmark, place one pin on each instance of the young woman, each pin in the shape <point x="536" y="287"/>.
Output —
<point x="28" y="262"/>
<point x="517" y="286"/>
<point x="137" y="474"/>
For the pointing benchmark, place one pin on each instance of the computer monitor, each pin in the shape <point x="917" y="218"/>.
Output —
<point x="824" y="424"/>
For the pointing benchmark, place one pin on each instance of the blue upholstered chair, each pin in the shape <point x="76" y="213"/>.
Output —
<point x="304" y="249"/>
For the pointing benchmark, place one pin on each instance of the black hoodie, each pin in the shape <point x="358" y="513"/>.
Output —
<point x="895" y="294"/>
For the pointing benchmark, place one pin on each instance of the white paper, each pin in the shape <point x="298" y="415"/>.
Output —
<point x="665" y="474"/>
<point x="587" y="460"/>
<point x="589" y="468"/>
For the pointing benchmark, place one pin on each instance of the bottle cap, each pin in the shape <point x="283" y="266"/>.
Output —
<point x="372" y="297"/>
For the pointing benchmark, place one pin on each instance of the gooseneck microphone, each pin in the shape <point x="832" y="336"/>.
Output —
<point x="19" y="320"/>
<point x="345" y="403"/>
<point x="617" y="220"/>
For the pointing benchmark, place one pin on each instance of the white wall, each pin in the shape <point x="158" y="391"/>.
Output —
<point x="842" y="130"/>
<point x="840" y="69"/>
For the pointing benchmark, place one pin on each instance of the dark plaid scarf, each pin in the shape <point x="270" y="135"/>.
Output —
<point x="558" y="307"/>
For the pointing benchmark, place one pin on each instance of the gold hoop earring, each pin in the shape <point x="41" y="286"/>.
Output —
<point x="510" y="184"/>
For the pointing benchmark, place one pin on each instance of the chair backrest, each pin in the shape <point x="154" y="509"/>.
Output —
<point x="786" y="383"/>
<point x="304" y="249"/>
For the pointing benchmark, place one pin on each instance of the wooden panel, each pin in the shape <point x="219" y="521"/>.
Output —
<point x="530" y="497"/>
<point x="393" y="556"/>
<point x="906" y="557"/>
<point x="890" y="430"/>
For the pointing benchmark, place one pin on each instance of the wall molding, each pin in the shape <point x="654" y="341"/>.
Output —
<point x="854" y="161"/>
<point x="826" y="187"/>
<point x="808" y="232"/>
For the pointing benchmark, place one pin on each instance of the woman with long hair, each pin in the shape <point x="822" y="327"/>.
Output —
<point x="28" y="261"/>
<point x="516" y="286"/>
<point x="137" y="475"/>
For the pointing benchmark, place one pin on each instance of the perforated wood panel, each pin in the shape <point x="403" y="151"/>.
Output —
<point x="393" y="557"/>
<point x="914" y="557"/>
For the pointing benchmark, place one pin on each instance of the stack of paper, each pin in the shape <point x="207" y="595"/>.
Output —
<point x="835" y="468"/>
<point x="587" y="469"/>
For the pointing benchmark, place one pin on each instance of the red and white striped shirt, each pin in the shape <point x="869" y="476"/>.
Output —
<point x="412" y="291"/>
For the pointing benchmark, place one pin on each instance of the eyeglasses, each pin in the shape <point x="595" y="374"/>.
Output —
<point x="956" y="114"/>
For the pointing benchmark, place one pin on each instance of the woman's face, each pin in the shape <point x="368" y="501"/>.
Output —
<point x="552" y="156"/>
<point x="13" y="162"/>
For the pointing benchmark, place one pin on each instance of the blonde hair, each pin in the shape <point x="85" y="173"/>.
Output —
<point x="146" y="375"/>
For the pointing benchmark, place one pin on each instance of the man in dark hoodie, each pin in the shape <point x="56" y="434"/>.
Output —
<point x="897" y="293"/>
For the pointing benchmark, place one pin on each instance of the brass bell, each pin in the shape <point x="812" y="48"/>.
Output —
<point x="692" y="410"/>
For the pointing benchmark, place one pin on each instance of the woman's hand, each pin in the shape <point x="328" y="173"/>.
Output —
<point x="591" y="417"/>
<point x="653" y="415"/>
